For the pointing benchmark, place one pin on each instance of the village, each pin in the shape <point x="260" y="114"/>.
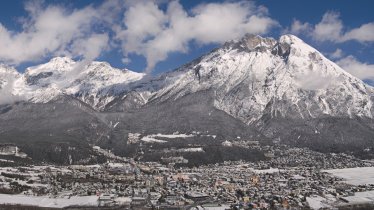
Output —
<point x="291" y="178"/>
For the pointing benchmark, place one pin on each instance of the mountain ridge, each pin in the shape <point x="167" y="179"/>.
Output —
<point x="101" y="84"/>
<point x="216" y="64"/>
<point x="254" y="88"/>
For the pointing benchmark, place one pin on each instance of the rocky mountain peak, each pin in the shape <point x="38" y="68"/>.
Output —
<point x="256" y="42"/>
<point x="256" y="76"/>
<point x="54" y="66"/>
<point x="61" y="60"/>
<point x="250" y="43"/>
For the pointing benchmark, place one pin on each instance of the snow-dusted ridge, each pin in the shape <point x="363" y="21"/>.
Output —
<point x="261" y="89"/>
<point x="96" y="83"/>
<point x="255" y="76"/>
<point x="250" y="77"/>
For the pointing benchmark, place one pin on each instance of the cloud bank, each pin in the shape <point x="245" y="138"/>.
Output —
<point x="338" y="53"/>
<point x="7" y="82"/>
<point x="154" y="33"/>
<point x="50" y="30"/>
<point x="331" y="28"/>
<point x="313" y="81"/>
<point x="152" y="29"/>
<point x="361" y="70"/>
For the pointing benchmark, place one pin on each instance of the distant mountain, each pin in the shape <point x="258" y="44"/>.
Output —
<point x="95" y="83"/>
<point x="255" y="88"/>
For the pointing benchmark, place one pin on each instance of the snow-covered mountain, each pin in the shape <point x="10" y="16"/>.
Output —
<point x="256" y="88"/>
<point x="95" y="83"/>
<point x="250" y="77"/>
<point x="254" y="76"/>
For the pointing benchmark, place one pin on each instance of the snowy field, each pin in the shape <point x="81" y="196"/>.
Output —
<point x="354" y="176"/>
<point x="317" y="202"/>
<point x="196" y="149"/>
<point x="153" y="138"/>
<point x="361" y="197"/>
<point x="266" y="171"/>
<point x="44" y="201"/>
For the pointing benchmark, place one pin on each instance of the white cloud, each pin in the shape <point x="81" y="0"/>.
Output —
<point x="313" y="81"/>
<point x="142" y="21"/>
<point x="91" y="47"/>
<point x="126" y="60"/>
<point x="331" y="28"/>
<point x="7" y="81"/>
<point x="6" y="94"/>
<point x="48" y="31"/>
<point x="140" y="27"/>
<point x="338" y="53"/>
<point x="154" y="33"/>
<point x="365" y="33"/>
<point x="358" y="69"/>
<point x="298" y="27"/>
<point x="88" y="49"/>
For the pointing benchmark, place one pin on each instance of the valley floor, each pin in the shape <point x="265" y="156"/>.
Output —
<point x="295" y="178"/>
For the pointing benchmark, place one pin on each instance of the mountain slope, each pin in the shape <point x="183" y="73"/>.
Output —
<point x="59" y="131"/>
<point x="254" y="76"/>
<point x="248" y="76"/>
<point x="95" y="83"/>
<point x="255" y="88"/>
<point x="285" y="89"/>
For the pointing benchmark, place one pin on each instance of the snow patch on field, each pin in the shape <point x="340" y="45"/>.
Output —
<point x="361" y="197"/>
<point x="151" y="139"/>
<point x="317" y="202"/>
<point x="44" y="201"/>
<point x="173" y="136"/>
<point x="8" y="161"/>
<point x="197" y="149"/>
<point x="354" y="176"/>
<point x="266" y="171"/>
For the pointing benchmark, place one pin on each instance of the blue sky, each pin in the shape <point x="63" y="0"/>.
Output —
<point x="129" y="33"/>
